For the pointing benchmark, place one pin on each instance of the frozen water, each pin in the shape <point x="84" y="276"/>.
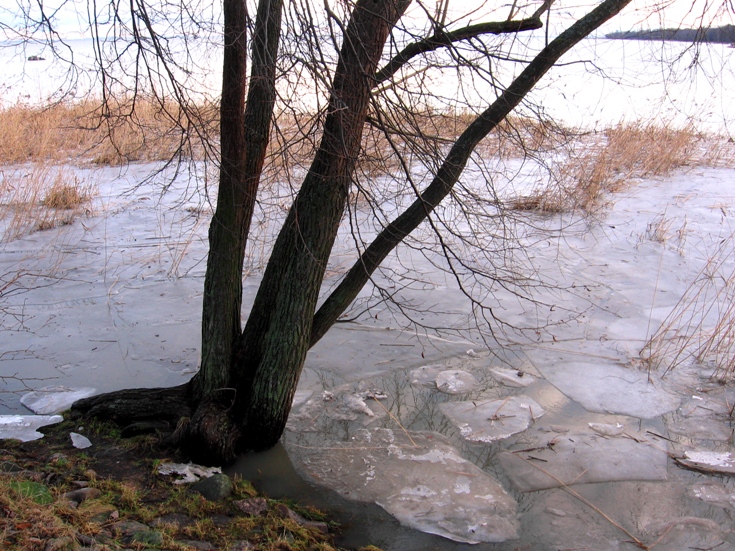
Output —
<point x="456" y="381"/>
<point x="580" y="458"/>
<point x="24" y="427"/>
<point x="426" y="375"/>
<point x="712" y="492"/>
<point x="189" y="472"/>
<point x="480" y="421"/>
<point x="54" y="399"/>
<point x="420" y="479"/>
<point x="512" y="377"/>
<point x="689" y="533"/>
<point x="79" y="441"/>
<point x="606" y="429"/>
<point x="339" y="404"/>
<point x="609" y="388"/>
<point x="709" y="461"/>
<point x="702" y="428"/>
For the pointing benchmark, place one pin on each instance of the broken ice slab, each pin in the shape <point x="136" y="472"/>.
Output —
<point x="419" y="478"/>
<point x="479" y="421"/>
<point x="709" y="462"/>
<point x="581" y="458"/>
<point x="512" y="377"/>
<point x="426" y="375"/>
<point x="24" y="427"/>
<point x="189" y="472"/>
<point x="456" y="381"/>
<point x="340" y="404"/>
<point x="714" y="493"/>
<point x="79" y="441"/>
<point x="703" y="428"/>
<point x="54" y="399"/>
<point x="610" y="388"/>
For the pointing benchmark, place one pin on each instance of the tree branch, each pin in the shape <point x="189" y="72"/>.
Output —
<point x="453" y="165"/>
<point x="442" y="39"/>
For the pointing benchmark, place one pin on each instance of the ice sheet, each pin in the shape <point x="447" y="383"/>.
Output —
<point x="585" y="457"/>
<point x="24" y="427"/>
<point x="487" y="421"/>
<point x="420" y="479"/>
<point x="54" y="399"/>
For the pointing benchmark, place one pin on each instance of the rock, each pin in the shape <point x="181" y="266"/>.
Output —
<point x="284" y="512"/>
<point x="10" y="467"/>
<point x="63" y="543"/>
<point x="82" y="494"/>
<point x="145" y="537"/>
<point x="253" y="507"/>
<point x="456" y="381"/>
<point x="214" y="488"/>
<point x="127" y="528"/>
<point x="512" y="377"/>
<point x="492" y="420"/>
<point x="100" y="513"/>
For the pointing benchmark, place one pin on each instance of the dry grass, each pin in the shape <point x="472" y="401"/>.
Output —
<point x="701" y="327"/>
<point x="597" y="166"/>
<point x="40" y="198"/>
<point x="123" y="131"/>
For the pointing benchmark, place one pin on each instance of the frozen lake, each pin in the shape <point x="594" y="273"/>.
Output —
<point x="114" y="301"/>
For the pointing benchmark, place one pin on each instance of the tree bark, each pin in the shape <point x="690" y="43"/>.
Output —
<point x="276" y="337"/>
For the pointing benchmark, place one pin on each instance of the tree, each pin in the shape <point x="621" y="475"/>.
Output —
<point x="241" y="397"/>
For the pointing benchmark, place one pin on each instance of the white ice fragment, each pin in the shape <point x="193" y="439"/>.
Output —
<point x="715" y="493"/>
<point x="79" y="441"/>
<point x="24" y="427"/>
<point x="420" y="479"/>
<point x="54" y="399"/>
<point x="606" y="429"/>
<point x="512" y="377"/>
<point x="709" y="461"/>
<point x="493" y="420"/>
<point x="456" y="381"/>
<point x="471" y="352"/>
<point x="582" y="458"/>
<point x="189" y="472"/>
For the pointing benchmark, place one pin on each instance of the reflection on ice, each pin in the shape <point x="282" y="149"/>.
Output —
<point x="493" y="420"/>
<point x="583" y="457"/>
<point x="420" y="479"/>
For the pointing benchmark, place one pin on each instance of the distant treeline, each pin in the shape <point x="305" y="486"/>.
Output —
<point x="724" y="35"/>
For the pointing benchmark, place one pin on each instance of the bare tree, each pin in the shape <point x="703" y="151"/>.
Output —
<point x="378" y="101"/>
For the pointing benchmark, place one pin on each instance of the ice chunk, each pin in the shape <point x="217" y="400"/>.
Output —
<point x="24" y="427"/>
<point x="189" y="472"/>
<point x="610" y="388"/>
<point x="702" y="428"/>
<point x="420" y="479"/>
<point x="79" y="441"/>
<point x="712" y="492"/>
<point x="456" y="381"/>
<point x="340" y="405"/>
<point x="489" y="421"/>
<point x="580" y="458"/>
<point x="606" y="429"/>
<point x="512" y="377"/>
<point x="426" y="375"/>
<point x="709" y="462"/>
<point x="54" y="399"/>
<point x="687" y="533"/>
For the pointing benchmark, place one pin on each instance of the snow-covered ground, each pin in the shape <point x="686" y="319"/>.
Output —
<point x="113" y="301"/>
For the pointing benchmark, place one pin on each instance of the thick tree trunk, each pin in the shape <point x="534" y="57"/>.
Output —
<point x="245" y="132"/>
<point x="276" y="337"/>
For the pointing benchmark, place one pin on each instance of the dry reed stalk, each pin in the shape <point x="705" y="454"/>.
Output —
<point x="701" y="327"/>
<point x="122" y="131"/>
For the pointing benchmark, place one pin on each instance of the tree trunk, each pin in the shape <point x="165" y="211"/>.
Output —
<point x="276" y="337"/>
